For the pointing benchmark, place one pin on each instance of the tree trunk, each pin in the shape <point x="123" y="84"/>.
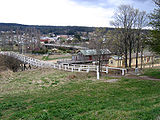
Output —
<point x="99" y="64"/>
<point x="137" y="51"/>
<point x="126" y="52"/>
<point x="130" y="54"/>
<point x="137" y="59"/>
<point x="141" y="58"/>
<point x="118" y="60"/>
<point x="152" y="61"/>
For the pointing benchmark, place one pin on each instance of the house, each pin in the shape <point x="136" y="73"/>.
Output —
<point x="48" y="40"/>
<point x="44" y="39"/>
<point x="91" y="55"/>
<point x="116" y="61"/>
<point x="63" y="36"/>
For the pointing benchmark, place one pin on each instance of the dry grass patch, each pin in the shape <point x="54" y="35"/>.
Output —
<point x="36" y="79"/>
<point x="35" y="56"/>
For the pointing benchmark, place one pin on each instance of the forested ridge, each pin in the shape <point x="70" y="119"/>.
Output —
<point x="68" y="30"/>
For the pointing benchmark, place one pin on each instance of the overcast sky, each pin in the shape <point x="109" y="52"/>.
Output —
<point x="65" y="12"/>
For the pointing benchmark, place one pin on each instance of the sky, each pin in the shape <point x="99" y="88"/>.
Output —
<point x="92" y="13"/>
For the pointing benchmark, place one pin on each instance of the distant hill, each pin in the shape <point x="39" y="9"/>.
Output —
<point x="69" y="30"/>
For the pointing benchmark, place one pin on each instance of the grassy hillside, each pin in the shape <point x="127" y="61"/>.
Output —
<point x="47" y="94"/>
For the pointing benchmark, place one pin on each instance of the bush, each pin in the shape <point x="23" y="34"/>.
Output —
<point x="41" y="51"/>
<point x="11" y="63"/>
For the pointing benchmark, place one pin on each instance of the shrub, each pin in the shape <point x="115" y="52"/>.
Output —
<point x="41" y="51"/>
<point x="11" y="63"/>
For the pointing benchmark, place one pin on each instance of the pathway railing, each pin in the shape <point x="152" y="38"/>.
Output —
<point x="66" y="67"/>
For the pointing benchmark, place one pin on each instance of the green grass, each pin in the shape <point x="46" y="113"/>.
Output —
<point x="48" y="58"/>
<point x="58" y="58"/>
<point x="155" y="73"/>
<point x="45" y="57"/>
<point x="77" y="96"/>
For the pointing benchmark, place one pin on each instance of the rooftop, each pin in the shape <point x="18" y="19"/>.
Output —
<point x="94" y="52"/>
<point x="115" y="57"/>
<point x="145" y="54"/>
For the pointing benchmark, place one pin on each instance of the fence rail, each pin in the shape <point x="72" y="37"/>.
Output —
<point x="61" y="66"/>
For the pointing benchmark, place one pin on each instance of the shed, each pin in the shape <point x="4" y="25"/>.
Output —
<point x="91" y="55"/>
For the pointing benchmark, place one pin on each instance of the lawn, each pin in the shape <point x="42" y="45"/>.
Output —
<point x="57" y="57"/>
<point x="47" y="94"/>
<point x="155" y="73"/>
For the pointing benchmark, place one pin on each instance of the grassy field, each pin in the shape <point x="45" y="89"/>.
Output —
<point x="155" y="73"/>
<point x="56" y="57"/>
<point x="47" y="94"/>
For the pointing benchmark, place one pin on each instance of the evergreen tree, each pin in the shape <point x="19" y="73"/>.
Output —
<point x="154" y="42"/>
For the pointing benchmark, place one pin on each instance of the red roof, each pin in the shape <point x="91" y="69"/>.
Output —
<point x="43" y="40"/>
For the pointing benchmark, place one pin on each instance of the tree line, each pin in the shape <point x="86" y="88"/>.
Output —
<point x="59" y="30"/>
<point x="131" y="34"/>
<point x="154" y="41"/>
<point x="20" y="41"/>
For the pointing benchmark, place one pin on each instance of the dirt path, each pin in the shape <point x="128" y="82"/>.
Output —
<point x="148" y="78"/>
<point x="135" y="77"/>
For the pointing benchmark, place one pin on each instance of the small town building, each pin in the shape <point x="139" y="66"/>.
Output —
<point x="117" y="61"/>
<point x="63" y="36"/>
<point x="91" y="55"/>
<point x="44" y="40"/>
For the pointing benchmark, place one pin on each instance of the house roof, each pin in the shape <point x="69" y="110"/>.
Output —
<point x="117" y="57"/>
<point x="145" y="54"/>
<point x="94" y="52"/>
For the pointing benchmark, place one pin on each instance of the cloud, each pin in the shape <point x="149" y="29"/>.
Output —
<point x="50" y="12"/>
<point x="141" y="0"/>
<point x="97" y="3"/>
<point x="146" y="5"/>
<point x="64" y="12"/>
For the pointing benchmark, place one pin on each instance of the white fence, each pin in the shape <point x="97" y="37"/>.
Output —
<point x="66" y="67"/>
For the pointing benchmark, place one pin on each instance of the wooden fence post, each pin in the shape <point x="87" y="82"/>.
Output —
<point x="54" y="66"/>
<point x="123" y="72"/>
<point x="72" y="68"/>
<point x="97" y="73"/>
<point x="59" y="67"/>
<point x="87" y="69"/>
<point x="79" y="69"/>
<point x="62" y="65"/>
<point x="106" y="70"/>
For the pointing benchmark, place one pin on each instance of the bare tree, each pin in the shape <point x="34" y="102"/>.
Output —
<point x="157" y="2"/>
<point x="97" y="42"/>
<point x="124" y="18"/>
<point x="114" y="43"/>
<point x="142" y="21"/>
<point x="129" y="23"/>
<point x="17" y="39"/>
<point x="11" y="39"/>
<point x="3" y="40"/>
<point x="27" y="40"/>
